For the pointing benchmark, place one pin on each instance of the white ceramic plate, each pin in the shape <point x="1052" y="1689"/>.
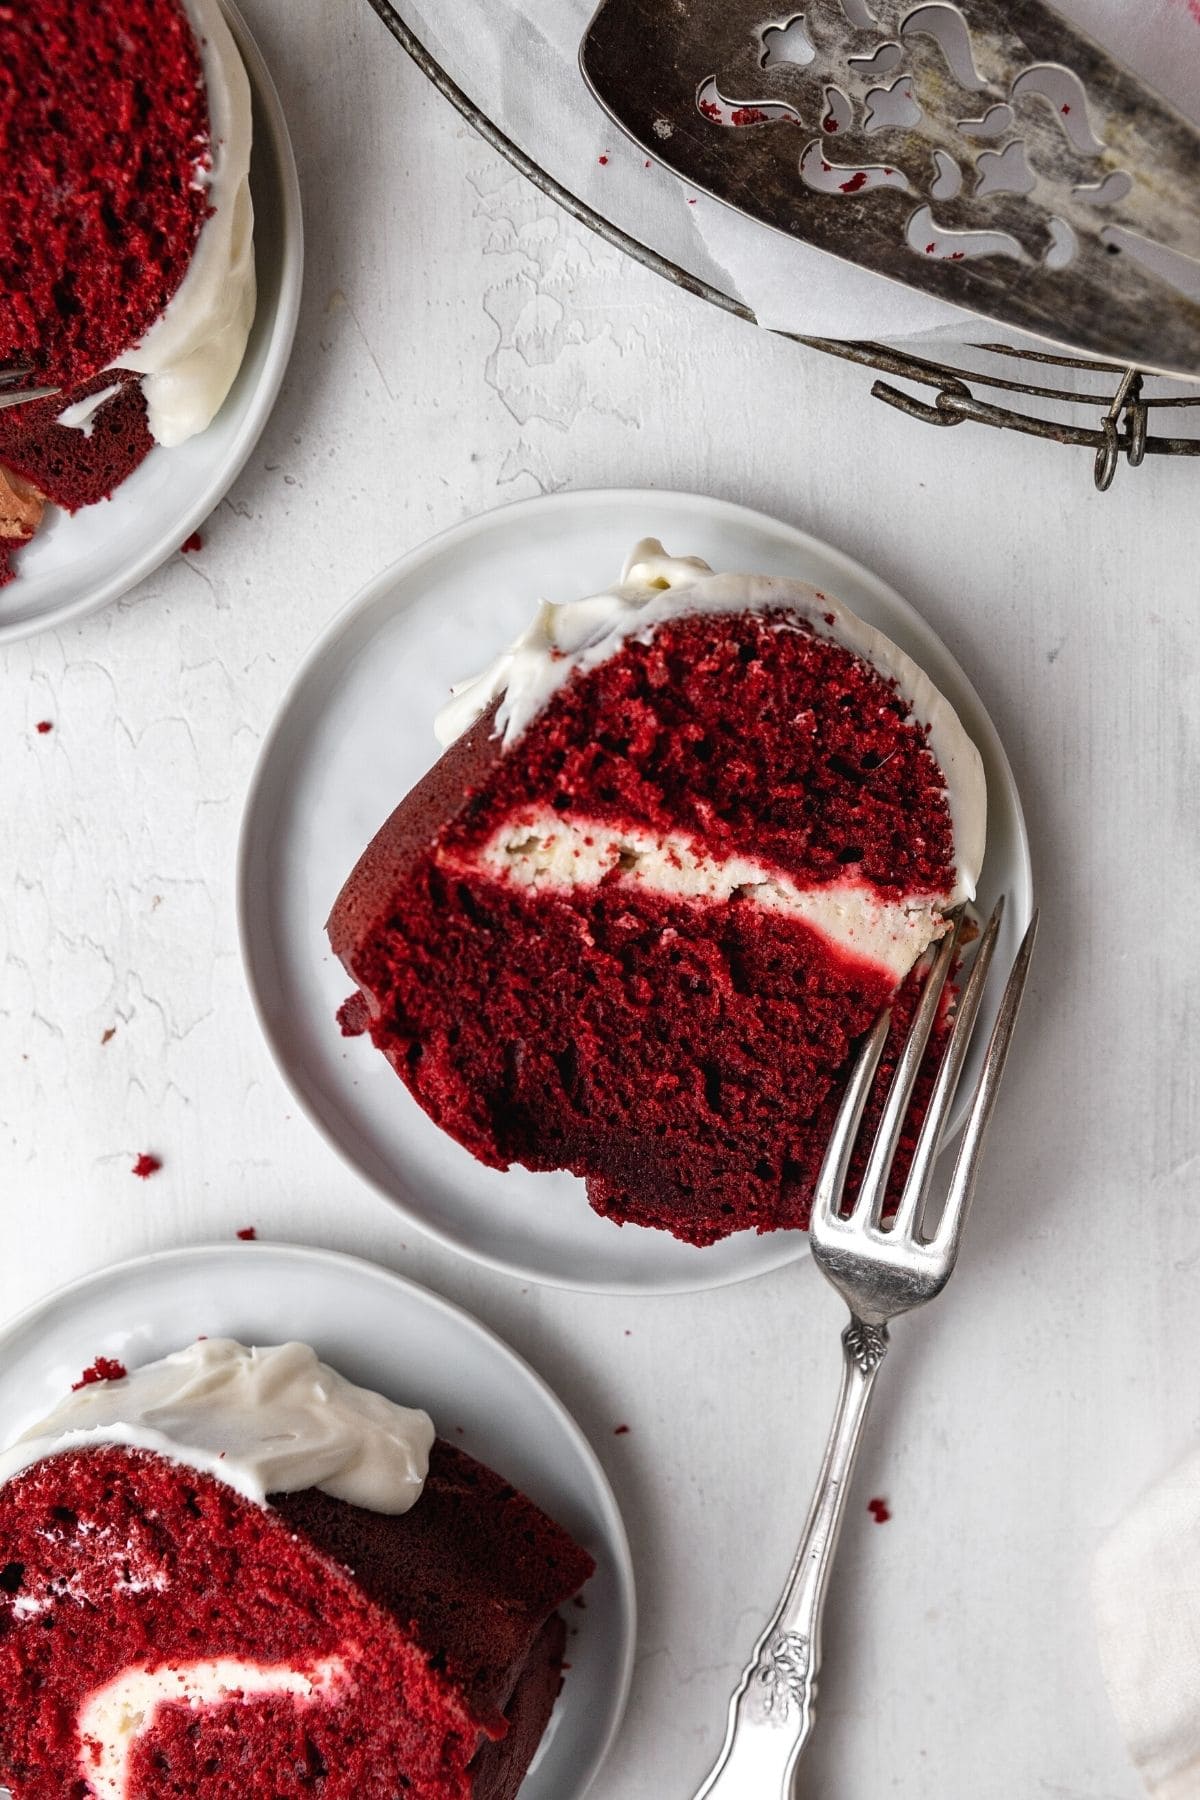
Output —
<point x="353" y="735"/>
<point x="79" y="562"/>
<point x="390" y="1335"/>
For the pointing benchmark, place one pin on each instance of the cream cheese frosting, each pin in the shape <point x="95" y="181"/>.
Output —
<point x="264" y="1421"/>
<point x="118" y="1714"/>
<point x="570" y="637"/>
<point x="81" y="414"/>
<point x="191" y="354"/>
<point x="542" y="850"/>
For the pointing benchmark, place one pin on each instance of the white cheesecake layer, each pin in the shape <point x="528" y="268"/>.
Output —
<point x="115" y="1716"/>
<point x="542" y="851"/>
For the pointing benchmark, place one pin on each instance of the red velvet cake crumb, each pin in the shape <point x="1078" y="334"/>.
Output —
<point x="146" y="1165"/>
<point x="431" y="1640"/>
<point x="67" y="466"/>
<point x="879" y="1511"/>
<point x="685" y="1056"/>
<point x="104" y="123"/>
<point x="620" y="1430"/>
<point x="105" y="1368"/>
<point x="194" y="542"/>
<point x="104" y="139"/>
<point x="44" y="725"/>
<point x="248" y="1234"/>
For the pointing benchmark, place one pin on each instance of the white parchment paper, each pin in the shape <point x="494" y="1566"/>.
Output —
<point x="518" y="60"/>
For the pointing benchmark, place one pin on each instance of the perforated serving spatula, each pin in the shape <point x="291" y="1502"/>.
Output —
<point x="987" y="153"/>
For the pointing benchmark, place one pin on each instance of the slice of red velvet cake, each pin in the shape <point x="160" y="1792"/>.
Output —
<point x="126" y="262"/>
<point x="234" y="1575"/>
<point x="688" y="840"/>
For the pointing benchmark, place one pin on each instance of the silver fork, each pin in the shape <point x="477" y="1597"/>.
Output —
<point x="881" y="1268"/>
<point x="12" y="394"/>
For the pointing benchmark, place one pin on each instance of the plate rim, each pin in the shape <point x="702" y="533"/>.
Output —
<point x="402" y="569"/>
<point x="261" y="402"/>
<point x="315" y="1255"/>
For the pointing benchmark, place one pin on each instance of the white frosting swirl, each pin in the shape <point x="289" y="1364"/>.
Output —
<point x="81" y="414"/>
<point x="264" y="1421"/>
<point x="191" y="354"/>
<point x="574" y="636"/>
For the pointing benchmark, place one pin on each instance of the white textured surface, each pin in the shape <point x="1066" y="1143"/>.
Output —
<point x="462" y="343"/>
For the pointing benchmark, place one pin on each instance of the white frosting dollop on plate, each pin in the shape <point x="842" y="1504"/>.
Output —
<point x="191" y="354"/>
<point x="574" y="636"/>
<point x="264" y="1421"/>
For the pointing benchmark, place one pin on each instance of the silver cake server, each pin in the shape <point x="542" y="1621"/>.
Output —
<point x="987" y="153"/>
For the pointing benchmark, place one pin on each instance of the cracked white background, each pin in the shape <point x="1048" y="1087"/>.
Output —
<point x="462" y="343"/>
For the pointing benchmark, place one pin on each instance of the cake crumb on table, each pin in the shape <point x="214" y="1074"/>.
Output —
<point x="44" y="725"/>
<point x="108" y="1034"/>
<point x="248" y="1234"/>
<point x="193" y="542"/>
<point x="105" y="1368"/>
<point x="879" y="1510"/>
<point x="146" y="1165"/>
<point x="620" y="1430"/>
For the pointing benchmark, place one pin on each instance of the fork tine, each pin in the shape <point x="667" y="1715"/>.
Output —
<point x="835" y="1166"/>
<point x="916" y="1183"/>
<point x="948" y="1236"/>
<point x="900" y="1092"/>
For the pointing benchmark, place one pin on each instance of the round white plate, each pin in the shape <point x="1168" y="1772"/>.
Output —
<point x="353" y="735"/>
<point x="79" y="562"/>
<point x="387" y="1334"/>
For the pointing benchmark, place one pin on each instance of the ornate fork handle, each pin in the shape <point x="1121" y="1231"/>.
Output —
<point x="771" y="1711"/>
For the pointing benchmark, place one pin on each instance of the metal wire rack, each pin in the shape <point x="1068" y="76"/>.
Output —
<point x="1125" y="404"/>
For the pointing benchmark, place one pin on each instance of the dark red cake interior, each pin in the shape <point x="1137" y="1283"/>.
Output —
<point x="442" y="1621"/>
<point x="104" y="136"/>
<point x="103" y="124"/>
<point x="685" y="1056"/>
<point x="753" y="734"/>
<point x="70" y="467"/>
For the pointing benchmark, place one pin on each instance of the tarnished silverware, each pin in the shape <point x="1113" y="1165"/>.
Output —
<point x="987" y="153"/>
<point x="13" y="394"/>
<point x="882" y="1268"/>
